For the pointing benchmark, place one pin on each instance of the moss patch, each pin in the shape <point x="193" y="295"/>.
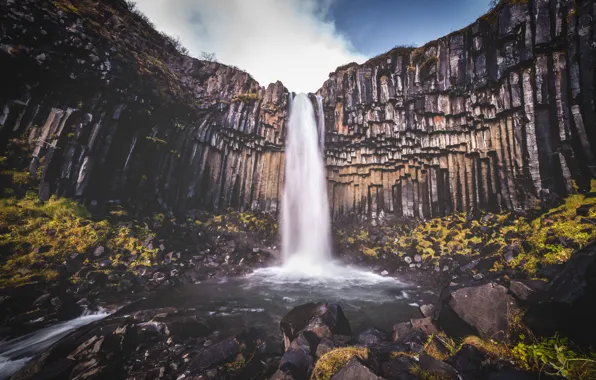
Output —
<point x="38" y="236"/>
<point x="333" y="361"/>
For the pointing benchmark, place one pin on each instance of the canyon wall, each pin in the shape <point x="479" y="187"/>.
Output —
<point x="498" y="116"/>
<point x="109" y="109"/>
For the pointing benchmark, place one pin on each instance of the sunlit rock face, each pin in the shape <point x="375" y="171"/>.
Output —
<point x="499" y="115"/>
<point x="111" y="110"/>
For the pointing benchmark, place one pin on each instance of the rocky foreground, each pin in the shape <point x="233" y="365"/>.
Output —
<point x="485" y="330"/>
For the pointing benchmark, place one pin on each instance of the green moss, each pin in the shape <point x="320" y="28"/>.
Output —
<point x="245" y="98"/>
<point x="38" y="236"/>
<point x="18" y="178"/>
<point x="333" y="361"/>
<point x="554" y="356"/>
<point x="370" y="252"/>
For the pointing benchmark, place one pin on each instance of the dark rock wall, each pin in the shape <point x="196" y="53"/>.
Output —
<point x="111" y="110"/>
<point x="499" y="115"/>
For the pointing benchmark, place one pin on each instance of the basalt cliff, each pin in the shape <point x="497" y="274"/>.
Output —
<point x="497" y="116"/>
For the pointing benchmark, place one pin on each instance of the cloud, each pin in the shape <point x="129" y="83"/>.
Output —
<point x="287" y="40"/>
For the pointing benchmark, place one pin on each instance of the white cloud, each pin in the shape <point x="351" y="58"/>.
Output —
<point x="287" y="40"/>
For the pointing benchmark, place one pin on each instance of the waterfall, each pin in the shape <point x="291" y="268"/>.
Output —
<point x="305" y="209"/>
<point x="321" y="123"/>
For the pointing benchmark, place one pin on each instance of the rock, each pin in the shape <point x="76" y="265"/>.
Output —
<point x="524" y="289"/>
<point x="324" y="347"/>
<point x="384" y="273"/>
<point x="401" y="330"/>
<point x="185" y="327"/>
<point x="417" y="258"/>
<point x="307" y="341"/>
<point x="482" y="310"/>
<point x="437" y="367"/>
<point x="567" y="305"/>
<point x="424" y="325"/>
<point x="73" y="265"/>
<point x="41" y="300"/>
<point x="281" y="375"/>
<point x="216" y="354"/>
<point x="371" y="337"/>
<point x="354" y="369"/>
<point x="324" y="320"/>
<point x="399" y="368"/>
<point x="427" y="310"/>
<point x="298" y="363"/>
<point x="468" y="362"/>
<point x="99" y="251"/>
<point x="408" y="259"/>
<point x="478" y="276"/>
<point x="511" y="252"/>
<point x="105" y="263"/>
<point x="583" y="210"/>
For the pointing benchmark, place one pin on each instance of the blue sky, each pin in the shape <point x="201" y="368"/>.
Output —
<point x="301" y="41"/>
<point x="375" y="26"/>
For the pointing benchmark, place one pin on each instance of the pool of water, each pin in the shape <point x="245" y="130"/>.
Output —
<point x="263" y="298"/>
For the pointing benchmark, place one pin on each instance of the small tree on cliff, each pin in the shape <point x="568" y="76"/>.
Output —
<point x="210" y="57"/>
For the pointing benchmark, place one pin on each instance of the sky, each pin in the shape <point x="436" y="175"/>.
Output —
<point x="300" y="42"/>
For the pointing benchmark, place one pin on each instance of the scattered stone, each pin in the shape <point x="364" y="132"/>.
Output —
<point x="384" y="273"/>
<point x="478" y="276"/>
<point x="427" y="310"/>
<point x="408" y="259"/>
<point x="99" y="251"/>
<point x="216" y="354"/>
<point x="482" y="310"/>
<point x="355" y="370"/>
<point x="324" y="320"/>
<point x="417" y="258"/>
<point x="371" y="337"/>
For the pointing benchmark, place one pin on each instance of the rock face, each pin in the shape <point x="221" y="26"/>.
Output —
<point x="498" y="115"/>
<point x="111" y="110"/>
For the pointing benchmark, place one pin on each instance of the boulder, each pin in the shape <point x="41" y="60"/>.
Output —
<point x="371" y="337"/>
<point x="323" y="319"/>
<point x="324" y="347"/>
<point x="298" y="363"/>
<point x="525" y="289"/>
<point x="427" y="310"/>
<point x="482" y="310"/>
<point x="424" y="325"/>
<point x="567" y="305"/>
<point x="399" y="368"/>
<point x="216" y="354"/>
<point x="437" y="367"/>
<point x="307" y="341"/>
<point x="353" y="370"/>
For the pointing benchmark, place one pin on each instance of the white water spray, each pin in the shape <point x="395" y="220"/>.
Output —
<point x="305" y="209"/>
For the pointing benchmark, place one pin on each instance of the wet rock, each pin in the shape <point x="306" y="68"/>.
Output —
<point x="482" y="310"/>
<point x="399" y="368"/>
<point x="354" y="369"/>
<point x="41" y="300"/>
<point x="188" y="327"/>
<point x="524" y="289"/>
<point x="324" y="320"/>
<point x="371" y="337"/>
<point x="437" y="367"/>
<point x="298" y="363"/>
<point x="216" y="354"/>
<point x="306" y="341"/>
<point x="324" y="347"/>
<point x="424" y="325"/>
<point x="427" y="310"/>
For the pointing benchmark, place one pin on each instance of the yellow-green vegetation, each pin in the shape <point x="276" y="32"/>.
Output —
<point x="492" y="348"/>
<point x="18" y="178"/>
<point x="245" y="97"/>
<point x="333" y="361"/>
<point x="156" y="140"/>
<point x="554" y="356"/>
<point x="550" y="238"/>
<point x="428" y="375"/>
<point x="432" y="349"/>
<point x="37" y="236"/>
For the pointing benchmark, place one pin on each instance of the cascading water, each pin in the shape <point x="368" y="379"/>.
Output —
<point x="305" y="220"/>
<point x="305" y="209"/>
